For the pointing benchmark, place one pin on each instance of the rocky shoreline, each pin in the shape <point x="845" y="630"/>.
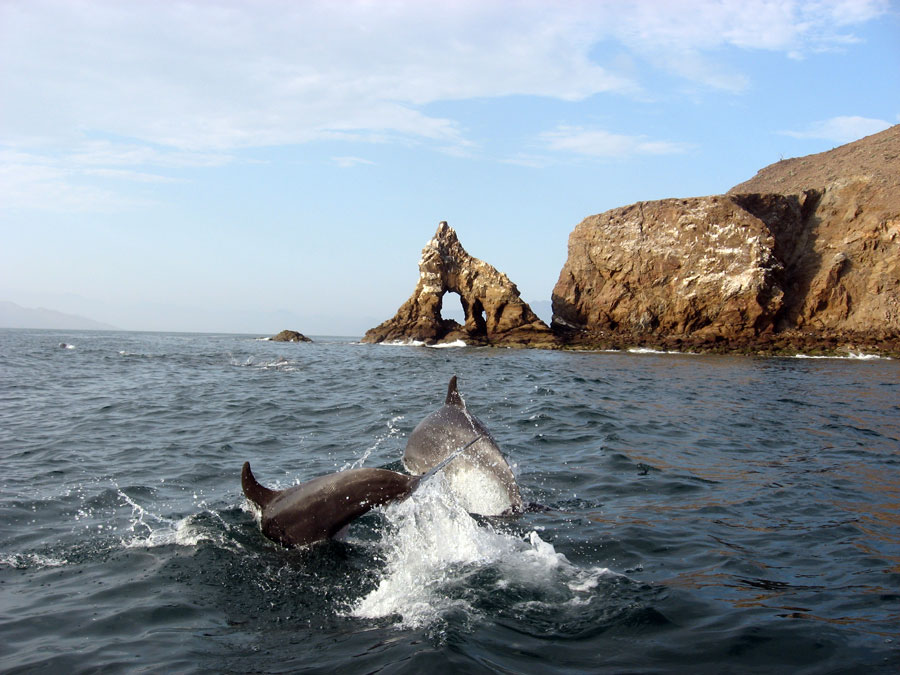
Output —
<point x="792" y="343"/>
<point x="802" y="259"/>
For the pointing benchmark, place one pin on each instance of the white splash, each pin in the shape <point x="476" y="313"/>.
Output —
<point x="163" y="531"/>
<point x="22" y="561"/>
<point x="402" y="343"/>
<point x="281" y="363"/>
<point x="420" y="343"/>
<point x="851" y="356"/>
<point x="446" y="345"/>
<point x="182" y="532"/>
<point x="478" y="489"/>
<point x="433" y="545"/>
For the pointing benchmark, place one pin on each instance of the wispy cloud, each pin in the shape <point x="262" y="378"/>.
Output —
<point x="600" y="143"/>
<point x="216" y="76"/>
<point x="47" y="186"/>
<point x="85" y="178"/>
<point x="190" y="84"/>
<point x="842" y="129"/>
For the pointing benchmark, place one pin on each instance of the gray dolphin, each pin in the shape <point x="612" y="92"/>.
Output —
<point x="482" y="479"/>
<point x="320" y="508"/>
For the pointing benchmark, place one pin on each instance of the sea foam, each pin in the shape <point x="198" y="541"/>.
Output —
<point x="432" y="545"/>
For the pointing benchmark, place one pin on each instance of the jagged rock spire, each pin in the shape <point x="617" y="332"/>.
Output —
<point x="494" y="312"/>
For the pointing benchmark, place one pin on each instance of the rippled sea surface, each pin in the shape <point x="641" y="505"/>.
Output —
<point x="704" y="514"/>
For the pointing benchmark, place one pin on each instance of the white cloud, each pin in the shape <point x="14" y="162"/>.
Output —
<point x="219" y="75"/>
<point x="188" y="84"/>
<point x="600" y="143"/>
<point x="224" y="75"/>
<point x="842" y="129"/>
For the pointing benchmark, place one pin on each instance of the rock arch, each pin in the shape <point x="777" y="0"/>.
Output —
<point x="494" y="312"/>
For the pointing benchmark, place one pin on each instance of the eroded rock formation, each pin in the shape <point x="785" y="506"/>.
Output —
<point x="810" y="246"/>
<point x="494" y="312"/>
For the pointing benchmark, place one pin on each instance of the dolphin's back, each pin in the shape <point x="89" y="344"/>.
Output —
<point x="483" y="477"/>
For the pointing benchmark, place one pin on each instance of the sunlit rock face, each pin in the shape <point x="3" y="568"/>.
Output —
<point x="703" y="265"/>
<point x="494" y="312"/>
<point x="810" y="245"/>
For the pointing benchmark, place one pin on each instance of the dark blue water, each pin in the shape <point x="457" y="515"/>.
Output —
<point x="706" y="514"/>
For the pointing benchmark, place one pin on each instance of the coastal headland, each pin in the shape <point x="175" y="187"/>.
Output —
<point x="804" y="257"/>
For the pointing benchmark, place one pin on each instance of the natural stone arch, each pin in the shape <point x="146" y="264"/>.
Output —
<point x="494" y="311"/>
<point x="452" y="307"/>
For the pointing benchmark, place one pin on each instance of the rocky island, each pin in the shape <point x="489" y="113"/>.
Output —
<point x="290" y="336"/>
<point x="494" y="312"/>
<point x="804" y="257"/>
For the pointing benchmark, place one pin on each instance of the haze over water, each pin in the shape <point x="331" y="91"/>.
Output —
<point x="705" y="514"/>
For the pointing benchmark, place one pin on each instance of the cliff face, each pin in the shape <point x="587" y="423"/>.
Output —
<point x="494" y="312"/>
<point x="810" y="245"/>
<point x="843" y="262"/>
<point x="677" y="266"/>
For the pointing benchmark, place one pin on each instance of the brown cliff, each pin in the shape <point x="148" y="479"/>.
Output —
<point x="804" y="255"/>
<point x="842" y="263"/>
<point x="494" y="312"/>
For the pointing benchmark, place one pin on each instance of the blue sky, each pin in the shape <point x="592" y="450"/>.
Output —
<point x="253" y="166"/>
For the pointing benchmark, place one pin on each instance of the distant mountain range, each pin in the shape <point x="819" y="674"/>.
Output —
<point x="15" y="316"/>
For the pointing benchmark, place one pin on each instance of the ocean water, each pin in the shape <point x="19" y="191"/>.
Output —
<point x="704" y="513"/>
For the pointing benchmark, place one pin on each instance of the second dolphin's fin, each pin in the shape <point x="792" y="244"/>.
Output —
<point x="453" y="397"/>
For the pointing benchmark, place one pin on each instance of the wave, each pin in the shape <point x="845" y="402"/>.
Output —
<point x="649" y="350"/>
<point x="851" y="356"/>
<point x="281" y="363"/>
<point x="420" y="343"/>
<point x="449" y="345"/>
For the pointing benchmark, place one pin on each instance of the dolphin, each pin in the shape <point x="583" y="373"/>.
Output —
<point x="320" y="508"/>
<point x="482" y="480"/>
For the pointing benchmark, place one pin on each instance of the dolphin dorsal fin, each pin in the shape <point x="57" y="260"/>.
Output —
<point x="453" y="397"/>
<point x="255" y="492"/>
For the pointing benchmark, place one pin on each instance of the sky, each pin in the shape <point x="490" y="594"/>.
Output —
<point x="245" y="167"/>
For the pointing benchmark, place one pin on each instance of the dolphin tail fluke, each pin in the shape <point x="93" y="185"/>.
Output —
<point x="255" y="492"/>
<point x="453" y="397"/>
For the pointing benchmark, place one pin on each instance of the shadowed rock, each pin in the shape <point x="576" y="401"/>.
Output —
<point x="494" y="312"/>
<point x="290" y="336"/>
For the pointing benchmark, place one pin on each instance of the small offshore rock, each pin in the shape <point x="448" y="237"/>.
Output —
<point x="290" y="336"/>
